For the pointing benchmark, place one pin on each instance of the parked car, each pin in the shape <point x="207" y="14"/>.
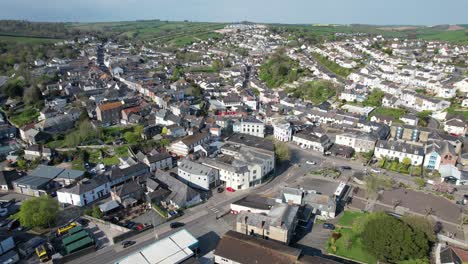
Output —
<point x="345" y="167"/>
<point x="375" y="170"/>
<point x="130" y="225"/>
<point x="83" y="222"/>
<point x="220" y="190"/>
<point x="311" y="162"/>
<point x="328" y="226"/>
<point x="230" y="189"/>
<point x="5" y="222"/>
<point x="139" y="227"/>
<point x="13" y="224"/>
<point x="3" y="212"/>
<point x="7" y="204"/>
<point x="128" y="243"/>
<point x="176" y="224"/>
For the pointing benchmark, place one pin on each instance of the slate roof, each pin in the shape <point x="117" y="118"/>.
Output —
<point x="181" y="193"/>
<point x="7" y="177"/>
<point x="87" y="185"/>
<point x="51" y="172"/>
<point x="134" y="170"/>
<point x="400" y="147"/>
<point x="255" y="250"/>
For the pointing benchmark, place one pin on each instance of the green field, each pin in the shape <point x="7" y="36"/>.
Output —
<point x="165" y="32"/>
<point x="317" y="33"/>
<point x="22" y="39"/>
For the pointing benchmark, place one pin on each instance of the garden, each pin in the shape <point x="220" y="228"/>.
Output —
<point x="379" y="237"/>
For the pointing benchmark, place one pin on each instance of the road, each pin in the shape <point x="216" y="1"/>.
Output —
<point x="196" y="221"/>
<point x="202" y="220"/>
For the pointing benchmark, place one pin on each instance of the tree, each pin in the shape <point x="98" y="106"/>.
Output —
<point x="131" y="137"/>
<point x="217" y="65"/>
<point x="38" y="212"/>
<point x="32" y="95"/>
<point x="391" y="240"/>
<point x="164" y="131"/>
<point x="375" y="183"/>
<point x="22" y="164"/>
<point x="422" y="224"/>
<point x="14" y="88"/>
<point x="374" y="98"/>
<point x="424" y="117"/>
<point x="368" y="155"/>
<point x="282" y="151"/>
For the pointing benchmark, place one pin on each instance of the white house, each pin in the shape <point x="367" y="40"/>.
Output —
<point x="398" y="150"/>
<point x="455" y="126"/>
<point x="197" y="175"/>
<point x="282" y="131"/>
<point x="186" y="145"/>
<point x="250" y="126"/>
<point x="359" y="142"/>
<point x="85" y="192"/>
<point x="311" y="141"/>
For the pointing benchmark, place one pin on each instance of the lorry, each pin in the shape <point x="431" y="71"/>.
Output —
<point x="64" y="229"/>
<point x="42" y="254"/>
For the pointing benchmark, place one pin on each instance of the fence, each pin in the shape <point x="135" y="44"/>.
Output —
<point x="107" y="224"/>
<point x="75" y="255"/>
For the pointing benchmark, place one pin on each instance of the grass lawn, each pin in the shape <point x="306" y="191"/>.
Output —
<point x="59" y="143"/>
<point x="349" y="217"/>
<point x="122" y="151"/>
<point x="332" y="66"/>
<point x="458" y="111"/>
<point x="392" y="112"/>
<point x="94" y="156"/>
<point x="24" y="117"/>
<point x="78" y="164"/>
<point x="109" y="161"/>
<point x="350" y="246"/>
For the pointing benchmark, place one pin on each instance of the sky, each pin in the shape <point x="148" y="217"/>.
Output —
<point x="379" y="12"/>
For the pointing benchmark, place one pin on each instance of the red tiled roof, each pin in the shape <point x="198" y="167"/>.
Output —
<point x="109" y="106"/>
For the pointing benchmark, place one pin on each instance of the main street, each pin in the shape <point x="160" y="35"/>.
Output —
<point x="201" y="220"/>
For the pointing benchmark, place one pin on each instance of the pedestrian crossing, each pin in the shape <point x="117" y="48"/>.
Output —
<point x="214" y="209"/>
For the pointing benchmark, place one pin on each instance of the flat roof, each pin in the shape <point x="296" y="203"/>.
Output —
<point x="172" y="249"/>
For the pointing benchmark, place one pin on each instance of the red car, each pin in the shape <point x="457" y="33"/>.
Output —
<point x="229" y="189"/>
